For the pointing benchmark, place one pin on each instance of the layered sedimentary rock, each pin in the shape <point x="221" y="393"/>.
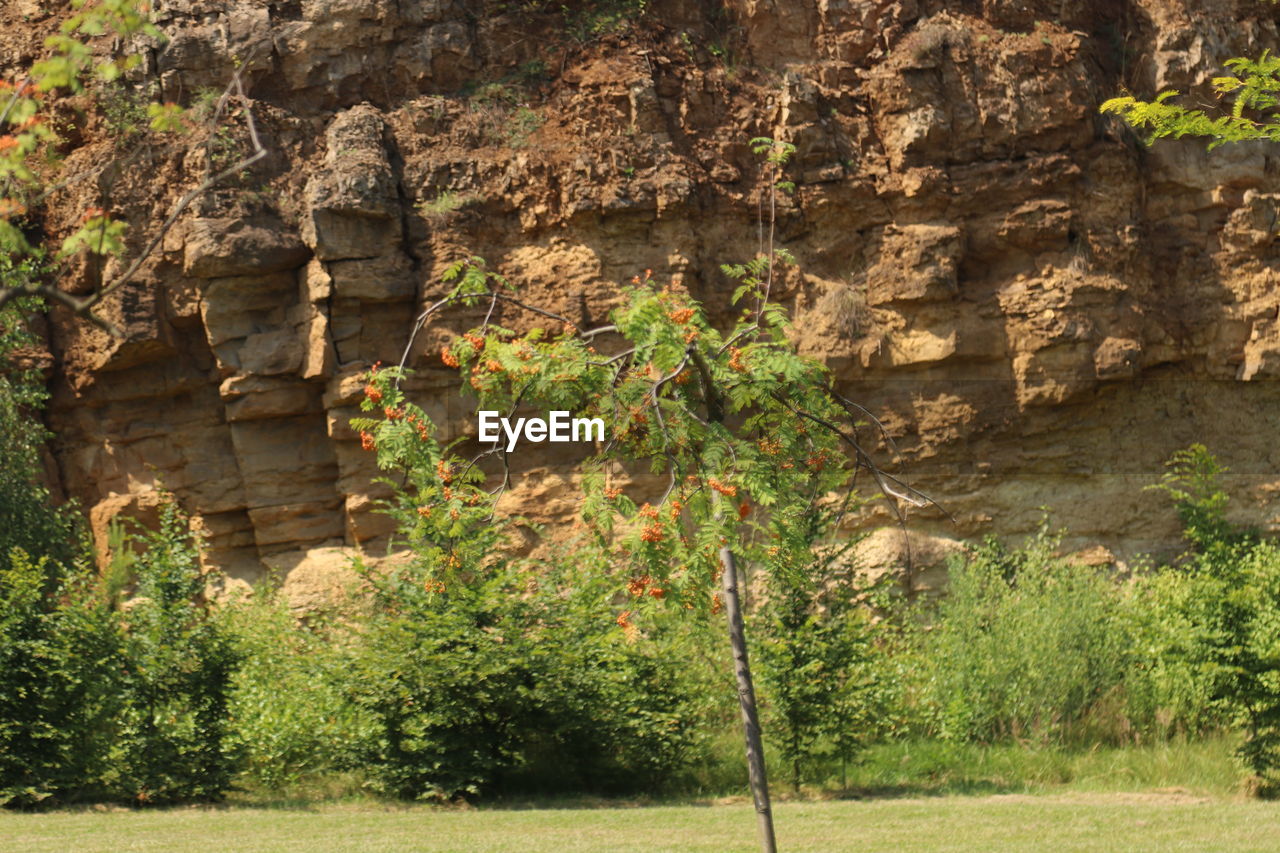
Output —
<point x="1037" y="308"/>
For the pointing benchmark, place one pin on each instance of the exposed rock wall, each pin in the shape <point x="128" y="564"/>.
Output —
<point x="1038" y="309"/>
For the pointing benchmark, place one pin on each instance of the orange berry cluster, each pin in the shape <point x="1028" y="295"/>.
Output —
<point x="723" y="488"/>
<point x="653" y="532"/>
<point x="419" y="425"/>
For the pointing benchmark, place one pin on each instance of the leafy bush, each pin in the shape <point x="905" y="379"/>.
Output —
<point x="1225" y="602"/>
<point x="59" y="659"/>
<point x="816" y="650"/>
<point x="288" y="717"/>
<point x="172" y="737"/>
<point x="1025" y="646"/>
<point x="30" y="521"/>
<point x="518" y="681"/>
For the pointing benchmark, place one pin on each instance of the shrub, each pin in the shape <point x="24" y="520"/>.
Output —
<point x="1226" y="596"/>
<point x="620" y="711"/>
<point x="816" y="653"/>
<point x="288" y="717"/>
<point x="516" y="682"/>
<point x="172" y="738"/>
<point x="59" y="665"/>
<point x="30" y="521"/>
<point x="1024" y="646"/>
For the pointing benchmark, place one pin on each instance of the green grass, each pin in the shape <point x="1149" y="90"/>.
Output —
<point x="913" y="796"/>
<point x="1063" y="822"/>
<point x="932" y="767"/>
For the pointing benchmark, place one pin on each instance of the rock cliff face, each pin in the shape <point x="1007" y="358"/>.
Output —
<point x="1037" y="308"/>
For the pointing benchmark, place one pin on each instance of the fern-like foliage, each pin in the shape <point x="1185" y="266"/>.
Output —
<point x="1253" y="91"/>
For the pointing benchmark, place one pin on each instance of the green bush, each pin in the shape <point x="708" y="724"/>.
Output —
<point x="818" y="653"/>
<point x="1174" y="686"/>
<point x="288" y="717"/>
<point x="29" y="520"/>
<point x="59" y="665"/>
<point x="1223" y="609"/>
<point x="1025" y="646"/>
<point x="620" y="711"/>
<point x="172" y="737"/>
<point x="518" y="682"/>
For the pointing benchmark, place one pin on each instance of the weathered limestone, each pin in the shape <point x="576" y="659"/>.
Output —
<point x="1036" y="314"/>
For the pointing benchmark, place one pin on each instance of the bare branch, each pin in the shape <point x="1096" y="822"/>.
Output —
<point x="207" y="184"/>
<point x="13" y="101"/>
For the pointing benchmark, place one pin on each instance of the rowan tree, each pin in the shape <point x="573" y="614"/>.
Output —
<point x="31" y="167"/>
<point x="748" y="436"/>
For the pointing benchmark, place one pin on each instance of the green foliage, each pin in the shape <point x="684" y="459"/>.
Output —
<point x="588" y="20"/>
<point x="665" y="399"/>
<point x="825" y="692"/>
<point x="70" y="63"/>
<point x="288" y="717"/>
<point x="1175" y="687"/>
<point x="1025" y="646"/>
<point x="59" y="652"/>
<point x="1252" y="90"/>
<point x="29" y="520"/>
<point x="440" y="208"/>
<point x="1192" y="482"/>
<point x="124" y="109"/>
<point x="1226" y="601"/>
<point x="499" y="110"/>
<point x="172" y="738"/>
<point x="99" y="234"/>
<point x="514" y="682"/>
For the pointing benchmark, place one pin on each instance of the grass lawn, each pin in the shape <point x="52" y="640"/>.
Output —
<point x="1057" y="822"/>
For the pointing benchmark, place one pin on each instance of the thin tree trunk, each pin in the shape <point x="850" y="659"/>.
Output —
<point x="747" y="699"/>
